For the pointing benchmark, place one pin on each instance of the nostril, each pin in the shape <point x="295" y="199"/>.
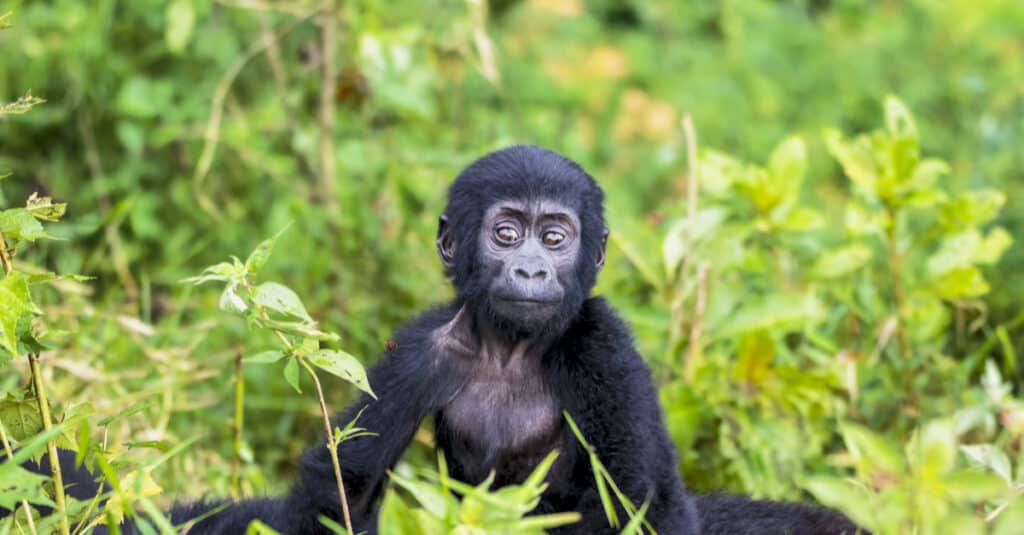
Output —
<point x="521" y="273"/>
<point x="542" y="274"/>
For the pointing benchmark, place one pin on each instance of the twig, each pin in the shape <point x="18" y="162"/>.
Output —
<point x="328" y="83"/>
<point x="694" y="354"/>
<point x="679" y="280"/>
<point x="51" y="446"/>
<point x="332" y="445"/>
<point x="211" y="136"/>
<point x="239" y="423"/>
<point x="24" y="502"/>
<point x="5" y="259"/>
<point x="896" y="270"/>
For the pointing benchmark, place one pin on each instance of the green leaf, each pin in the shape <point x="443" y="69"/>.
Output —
<point x="43" y="209"/>
<point x="265" y="357"/>
<point x="898" y="119"/>
<point x="976" y="486"/>
<point x="308" y="330"/>
<point x="280" y="298"/>
<point x="788" y="165"/>
<point x="291" y="374"/>
<point x="993" y="246"/>
<point x="181" y="19"/>
<point x="18" y="223"/>
<point x="259" y="256"/>
<point x="855" y="157"/>
<point x="972" y="209"/>
<point x="842" y="261"/>
<point x="961" y="283"/>
<point x="15" y="302"/>
<point x="838" y="493"/>
<point x="230" y="301"/>
<point x="17" y="483"/>
<point x="343" y="365"/>
<point x="992" y="458"/>
<point x="872" y="452"/>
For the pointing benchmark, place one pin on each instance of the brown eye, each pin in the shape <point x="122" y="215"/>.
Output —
<point x="507" y="234"/>
<point x="552" y="238"/>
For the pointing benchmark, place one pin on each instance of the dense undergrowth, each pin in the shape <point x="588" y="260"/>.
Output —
<point x="828" y="294"/>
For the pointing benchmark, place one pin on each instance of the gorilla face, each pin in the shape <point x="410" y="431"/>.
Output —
<point x="528" y="251"/>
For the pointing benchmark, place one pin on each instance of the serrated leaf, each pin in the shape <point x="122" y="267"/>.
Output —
<point x="15" y="303"/>
<point x="17" y="483"/>
<point x="343" y="365"/>
<point x="291" y="374"/>
<point x="265" y="357"/>
<point x="280" y="298"/>
<point x="18" y="223"/>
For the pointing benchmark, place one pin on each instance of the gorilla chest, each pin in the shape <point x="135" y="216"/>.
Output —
<point x="504" y="419"/>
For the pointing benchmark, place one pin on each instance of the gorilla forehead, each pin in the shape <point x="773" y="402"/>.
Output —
<point x="524" y="172"/>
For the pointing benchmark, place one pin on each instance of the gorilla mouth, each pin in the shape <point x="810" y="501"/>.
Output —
<point x="528" y="300"/>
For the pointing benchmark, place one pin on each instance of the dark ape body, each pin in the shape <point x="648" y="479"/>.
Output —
<point x="523" y="240"/>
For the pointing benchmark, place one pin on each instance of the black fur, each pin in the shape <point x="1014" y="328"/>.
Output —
<point x="451" y="364"/>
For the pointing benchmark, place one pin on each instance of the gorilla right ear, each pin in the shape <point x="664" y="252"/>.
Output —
<point x="445" y="243"/>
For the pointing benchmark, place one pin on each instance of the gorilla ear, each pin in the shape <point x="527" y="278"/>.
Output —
<point x="445" y="243"/>
<point x="600" y="250"/>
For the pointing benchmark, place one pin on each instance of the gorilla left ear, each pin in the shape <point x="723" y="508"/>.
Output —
<point x="445" y="243"/>
<point x="600" y="250"/>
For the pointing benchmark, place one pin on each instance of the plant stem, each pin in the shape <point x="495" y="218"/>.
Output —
<point x="5" y="258"/>
<point x="239" y="423"/>
<point x="896" y="269"/>
<point x="332" y="446"/>
<point x="328" y="84"/>
<point x="24" y="503"/>
<point x="51" y="446"/>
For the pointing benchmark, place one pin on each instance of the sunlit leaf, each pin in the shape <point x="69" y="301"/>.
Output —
<point x="291" y="374"/>
<point x="280" y="298"/>
<point x="341" y="364"/>
<point x="181" y="18"/>
<point x="15" y="303"/>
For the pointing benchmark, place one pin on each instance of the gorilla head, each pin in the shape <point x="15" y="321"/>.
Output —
<point x="523" y="238"/>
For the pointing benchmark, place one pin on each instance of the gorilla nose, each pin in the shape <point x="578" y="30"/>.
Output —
<point x="531" y="270"/>
<point x="526" y="273"/>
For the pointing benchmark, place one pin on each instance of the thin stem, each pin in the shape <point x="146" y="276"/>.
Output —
<point x="694" y="354"/>
<point x="332" y="445"/>
<point x="328" y="84"/>
<point x="896" y="269"/>
<point x="5" y="258"/>
<point x="24" y="503"/>
<point x="51" y="446"/>
<point x="239" y="424"/>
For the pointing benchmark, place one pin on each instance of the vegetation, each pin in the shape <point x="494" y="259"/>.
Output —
<point x="812" y="212"/>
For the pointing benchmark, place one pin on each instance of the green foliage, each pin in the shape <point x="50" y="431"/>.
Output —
<point x="846" y="286"/>
<point x="476" y="510"/>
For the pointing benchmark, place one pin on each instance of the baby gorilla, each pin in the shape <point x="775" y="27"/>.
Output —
<point x="523" y="239"/>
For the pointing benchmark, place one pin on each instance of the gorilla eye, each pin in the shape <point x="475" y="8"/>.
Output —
<point x="507" y="234"/>
<point x="553" y="238"/>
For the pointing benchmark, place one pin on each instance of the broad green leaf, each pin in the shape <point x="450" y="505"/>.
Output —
<point x="855" y="157"/>
<point x="428" y="496"/>
<point x="20" y="417"/>
<point x="993" y="246"/>
<point x="956" y="251"/>
<point x="976" y="486"/>
<point x="991" y="458"/>
<point x="936" y="447"/>
<point x="265" y="357"/>
<point x="972" y="209"/>
<point x="280" y="298"/>
<point x="842" y="261"/>
<point x="838" y="493"/>
<point x="15" y="302"/>
<point x="961" y="283"/>
<point x="788" y="165"/>
<point x="17" y="483"/>
<point x="181" y="18"/>
<point x="291" y="374"/>
<point x="18" y="224"/>
<point x="872" y="452"/>
<point x="343" y="365"/>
